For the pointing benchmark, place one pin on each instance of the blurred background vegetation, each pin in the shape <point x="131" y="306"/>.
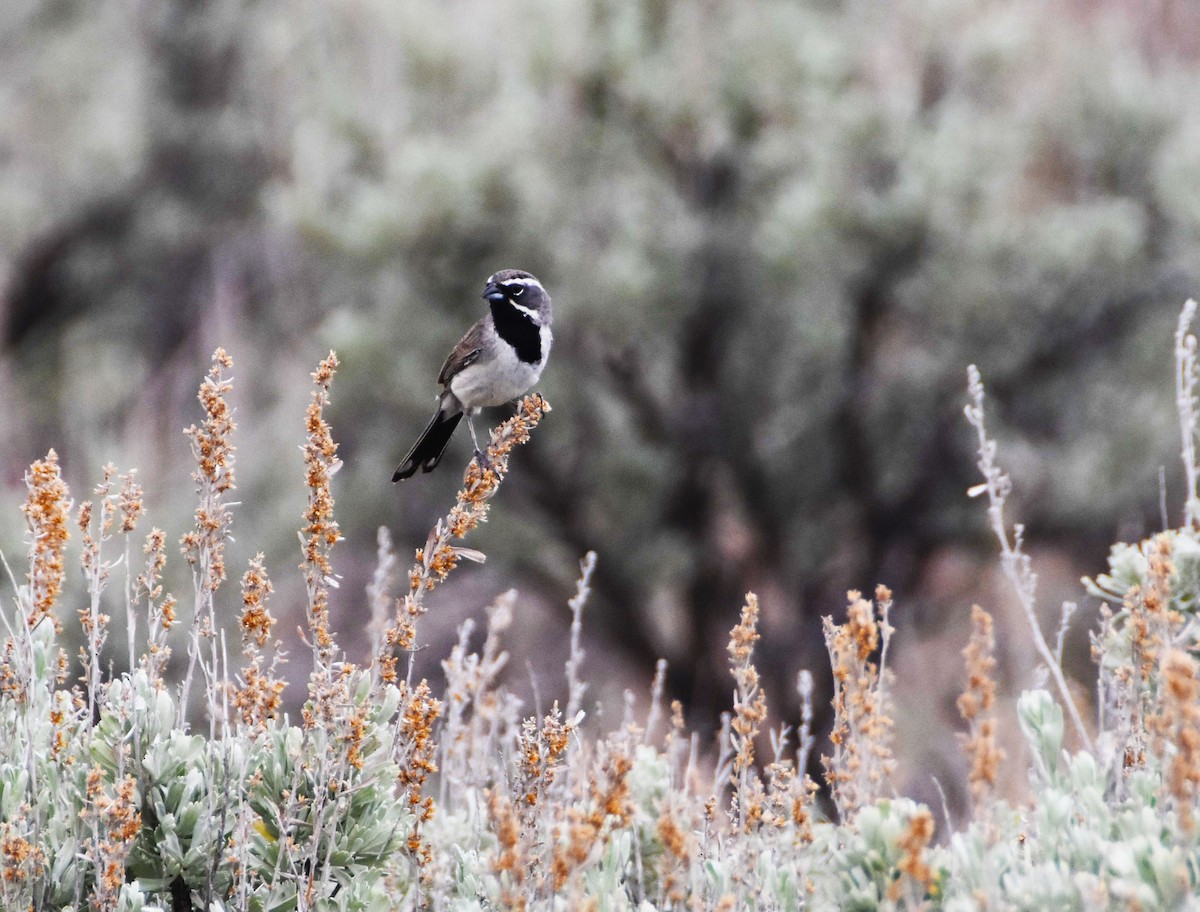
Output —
<point x="775" y="231"/>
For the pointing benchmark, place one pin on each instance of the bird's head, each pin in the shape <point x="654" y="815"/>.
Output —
<point x="520" y="289"/>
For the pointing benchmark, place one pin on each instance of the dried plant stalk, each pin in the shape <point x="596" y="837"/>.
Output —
<point x="749" y="713"/>
<point x="112" y="817"/>
<point x="917" y="836"/>
<point x="436" y="560"/>
<point x="258" y="696"/>
<point x="320" y="532"/>
<point x="1180" y="723"/>
<point x="160" y="608"/>
<point x="204" y="545"/>
<point x="858" y="770"/>
<point x="1015" y="562"/>
<point x="46" y="508"/>
<point x="977" y="706"/>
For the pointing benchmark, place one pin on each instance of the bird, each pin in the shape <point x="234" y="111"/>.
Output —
<point x="498" y="360"/>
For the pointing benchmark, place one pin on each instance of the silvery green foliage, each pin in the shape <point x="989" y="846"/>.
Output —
<point x="1129" y="566"/>
<point x="274" y="817"/>
<point x="181" y="823"/>
<point x="278" y="818"/>
<point x="770" y="868"/>
<point x="867" y="859"/>
<point x="192" y="793"/>
<point x="1072" y="846"/>
<point x="41" y="779"/>
<point x="350" y="830"/>
<point x="1129" y="571"/>
<point x="1075" y="846"/>
<point x="133" y="899"/>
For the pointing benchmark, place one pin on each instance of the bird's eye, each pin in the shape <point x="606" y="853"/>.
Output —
<point x="516" y="290"/>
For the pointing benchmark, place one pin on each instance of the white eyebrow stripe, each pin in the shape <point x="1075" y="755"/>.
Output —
<point x="528" y="283"/>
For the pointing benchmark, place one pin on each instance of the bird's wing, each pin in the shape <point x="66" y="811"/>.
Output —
<point x="465" y="352"/>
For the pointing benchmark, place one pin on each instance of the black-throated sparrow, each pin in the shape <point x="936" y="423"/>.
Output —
<point x="498" y="359"/>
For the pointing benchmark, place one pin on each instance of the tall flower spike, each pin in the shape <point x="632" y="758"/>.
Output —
<point x="47" y="512"/>
<point x="977" y="706"/>
<point x="160" y="608"/>
<point x="439" y="557"/>
<point x="1181" y="720"/>
<point x="749" y="713"/>
<point x="258" y="698"/>
<point x="204" y="545"/>
<point x="212" y="447"/>
<point x="858" y="770"/>
<point x="321" y="530"/>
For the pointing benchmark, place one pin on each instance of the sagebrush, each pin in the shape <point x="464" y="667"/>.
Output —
<point x="384" y="795"/>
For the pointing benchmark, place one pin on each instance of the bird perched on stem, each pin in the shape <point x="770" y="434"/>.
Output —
<point x="498" y="359"/>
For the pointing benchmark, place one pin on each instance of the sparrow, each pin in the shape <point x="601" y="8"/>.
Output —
<point x="498" y="360"/>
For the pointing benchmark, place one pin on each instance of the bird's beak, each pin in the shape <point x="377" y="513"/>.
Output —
<point x="494" y="293"/>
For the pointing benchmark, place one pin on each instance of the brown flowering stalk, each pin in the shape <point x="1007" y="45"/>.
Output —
<point x="977" y="706"/>
<point x="111" y="814"/>
<point x="1152" y="618"/>
<point x="915" y="840"/>
<point x="21" y="862"/>
<point x="439" y="557"/>
<point x="541" y="752"/>
<point x="862" y="727"/>
<point x="508" y="860"/>
<point x="416" y="749"/>
<point x="1180" y="722"/>
<point x="678" y="844"/>
<point x="543" y="847"/>
<point x="789" y="798"/>
<point x="212" y="446"/>
<point x="749" y="713"/>
<point x="47" y="509"/>
<point x="540" y="755"/>
<point x="320" y="532"/>
<point x="334" y="724"/>
<point x="160" y="608"/>
<point x="204" y="545"/>
<point x="1135" y="684"/>
<point x="258" y="698"/>
<point x="606" y="806"/>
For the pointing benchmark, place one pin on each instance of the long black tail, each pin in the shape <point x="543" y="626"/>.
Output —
<point x="427" y="451"/>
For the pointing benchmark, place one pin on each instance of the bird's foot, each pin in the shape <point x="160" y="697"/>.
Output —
<point x="481" y="457"/>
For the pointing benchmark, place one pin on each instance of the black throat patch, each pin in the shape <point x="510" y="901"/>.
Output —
<point x="518" y="331"/>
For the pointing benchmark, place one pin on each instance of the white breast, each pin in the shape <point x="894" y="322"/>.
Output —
<point x="500" y="378"/>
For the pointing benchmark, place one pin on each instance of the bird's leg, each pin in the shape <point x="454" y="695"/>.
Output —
<point x="481" y="456"/>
